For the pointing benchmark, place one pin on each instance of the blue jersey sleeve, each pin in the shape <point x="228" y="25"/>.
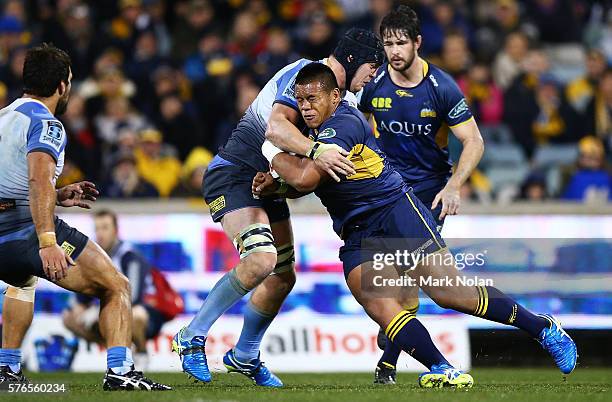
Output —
<point x="455" y="107"/>
<point x="285" y="87"/>
<point x="46" y="135"/>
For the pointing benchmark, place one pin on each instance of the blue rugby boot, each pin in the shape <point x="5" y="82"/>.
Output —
<point x="559" y="344"/>
<point x="192" y="355"/>
<point x="255" y="370"/>
<point x="445" y="375"/>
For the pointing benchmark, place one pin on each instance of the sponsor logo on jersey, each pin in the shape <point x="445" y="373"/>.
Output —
<point x="52" y="134"/>
<point x="427" y="112"/>
<point x="433" y="79"/>
<point x="327" y="133"/>
<point x="382" y="104"/>
<point x="458" y="110"/>
<point x="403" y="93"/>
<point x="217" y="205"/>
<point x="404" y="128"/>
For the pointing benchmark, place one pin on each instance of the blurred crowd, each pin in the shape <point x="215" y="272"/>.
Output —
<point x="159" y="84"/>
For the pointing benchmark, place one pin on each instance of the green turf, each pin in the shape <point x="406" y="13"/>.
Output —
<point x="517" y="384"/>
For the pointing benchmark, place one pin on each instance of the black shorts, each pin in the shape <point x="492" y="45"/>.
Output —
<point x="19" y="258"/>
<point x="156" y="322"/>
<point x="227" y="187"/>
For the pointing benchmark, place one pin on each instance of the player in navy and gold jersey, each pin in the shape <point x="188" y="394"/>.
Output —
<point x="413" y="105"/>
<point x="376" y="214"/>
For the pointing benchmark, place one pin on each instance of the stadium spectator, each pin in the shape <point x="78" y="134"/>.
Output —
<point x="179" y="127"/>
<point x="555" y="120"/>
<point x="320" y="38"/>
<point x="455" y="57"/>
<point x="500" y="18"/>
<point x="590" y="178"/>
<point x="12" y="36"/>
<point x="247" y="38"/>
<point x="124" y="180"/>
<point x="140" y="67"/>
<point x="84" y="149"/>
<point x="598" y="115"/>
<point x="277" y="55"/>
<point x="11" y="73"/>
<point x="377" y="9"/>
<point x="72" y="28"/>
<point x="195" y="20"/>
<point x="156" y="162"/>
<point x="118" y="114"/>
<point x="534" y="188"/>
<point x="486" y="100"/>
<point x="555" y="20"/>
<point x="437" y="21"/>
<point x="508" y="63"/>
<point x="581" y="90"/>
<point x="192" y="173"/>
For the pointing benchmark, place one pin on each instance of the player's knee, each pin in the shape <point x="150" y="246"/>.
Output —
<point x="286" y="282"/>
<point x="257" y="268"/>
<point x="69" y="318"/>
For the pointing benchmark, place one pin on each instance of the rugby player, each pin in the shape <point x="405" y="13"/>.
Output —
<point x="260" y="229"/>
<point x="412" y="105"/>
<point x="375" y="204"/>
<point x="34" y="242"/>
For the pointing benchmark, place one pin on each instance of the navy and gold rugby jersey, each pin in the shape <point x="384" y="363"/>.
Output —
<point x="412" y="124"/>
<point x="375" y="183"/>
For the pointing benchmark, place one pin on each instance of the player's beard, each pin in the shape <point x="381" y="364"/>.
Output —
<point x="407" y="64"/>
<point x="62" y="105"/>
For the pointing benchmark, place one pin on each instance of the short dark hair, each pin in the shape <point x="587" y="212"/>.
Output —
<point x="317" y="72"/>
<point x="45" y="67"/>
<point x="402" y="20"/>
<point x="107" y="212"/>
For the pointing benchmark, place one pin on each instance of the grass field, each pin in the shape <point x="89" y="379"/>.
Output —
<point x="517" y="384"/>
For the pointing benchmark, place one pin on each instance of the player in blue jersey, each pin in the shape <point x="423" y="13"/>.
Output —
<point x="260" y="229"/>
<point x="412" y="106"/>
<point x="374" y="211"/>
<point x="34" y="242"/>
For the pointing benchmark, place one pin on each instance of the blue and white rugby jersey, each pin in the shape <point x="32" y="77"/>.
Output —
<point x="244" y="145"/>
<point x="26" y="125"/>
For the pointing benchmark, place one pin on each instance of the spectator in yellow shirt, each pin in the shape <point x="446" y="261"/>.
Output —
<point x="156" y="162"/>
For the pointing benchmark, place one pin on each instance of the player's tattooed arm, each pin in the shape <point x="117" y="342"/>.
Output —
<point x="282" y="132"/>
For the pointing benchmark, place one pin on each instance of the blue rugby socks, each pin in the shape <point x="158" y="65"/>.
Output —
<point x="222" y="296"/>
<point x="256" y="322"/>
<point x="119" y="359"/>
<point x="407" y="332"/>
<point x="11" y="358"/>
<point x="494" y="305"/>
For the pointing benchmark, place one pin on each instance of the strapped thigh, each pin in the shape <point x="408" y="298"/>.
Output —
<point x="255" y="238"/>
